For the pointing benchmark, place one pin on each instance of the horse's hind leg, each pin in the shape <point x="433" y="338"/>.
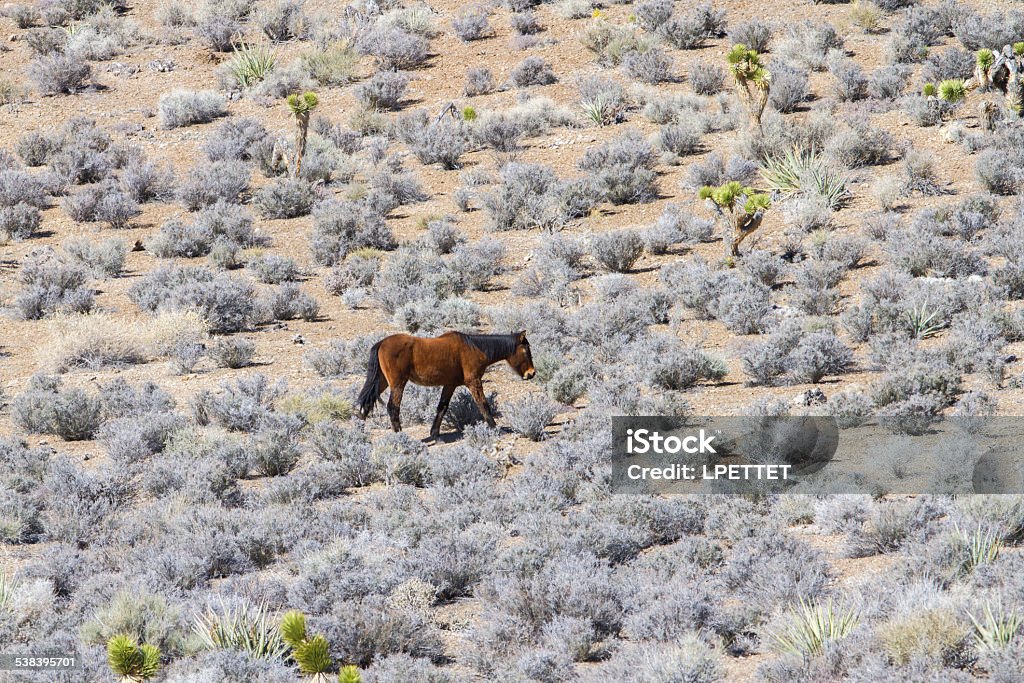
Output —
<point x="395" y="405"/>
<point x="476" y="389"/>
<point x="442" y="408"/>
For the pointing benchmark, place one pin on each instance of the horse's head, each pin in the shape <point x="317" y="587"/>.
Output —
<point x="521" y="359"/>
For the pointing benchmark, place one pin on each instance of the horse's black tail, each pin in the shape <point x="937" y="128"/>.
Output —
<point x="373" y="386"/>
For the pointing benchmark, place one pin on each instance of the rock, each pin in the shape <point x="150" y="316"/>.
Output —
<point x="297" y="339"/>
<point x="161" y="65"/>
<point x="122" y="69"/>
<point x="811" y="397"/>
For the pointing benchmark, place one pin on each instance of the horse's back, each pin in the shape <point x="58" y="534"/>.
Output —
<point x="449" y="340"/>
<point x="431" y="361"/>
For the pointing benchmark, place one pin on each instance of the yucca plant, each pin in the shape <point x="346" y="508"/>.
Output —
<point x="978" y="546"/>
<point x="8" y="585"/>
<point x="242" y="626"/>
<point x="131" y="662"/>
<point x="301" y="107"/>
<point x="753" y="81"/>
<point x="997" y="629"/>
<point x="311" y="654"/>
<point x="251" y="64"/>
<point x="601" y="110"/>
<point x="952" y="90"/>
<point x="806" y="173"/>
<point x="811" y="626"/>
<point x="924" y="323"/>
<point x="740" y="208"/>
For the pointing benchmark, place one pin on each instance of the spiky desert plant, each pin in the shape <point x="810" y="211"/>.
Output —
<point x="293" y="628"/>
<point x="740" y="208"/>
<point x="8" y="585"/>
<point x="314" y="658"/>
<point x="923" y="322"/>
<point x="1014" y="86"/>
<point x="753" y="81"/>
<point x="131" y="662"/>
<point x="979" y="546"/>
<point x="602" y="110"/>
<point x="311" y="654"/>
<point x="349" y="674"/>
<point x="301" y="107"/>
<point x="251" y="64"/>
<point x="806" y="172"/>
<point x="244" y="627"/>
<point x="952" y="90"/>
<point x="997" y="629"/>
<point x="811" y="626"/>
<point x="983" y="61"/>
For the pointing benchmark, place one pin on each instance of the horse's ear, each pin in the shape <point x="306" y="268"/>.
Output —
<point x="520" y="336"/>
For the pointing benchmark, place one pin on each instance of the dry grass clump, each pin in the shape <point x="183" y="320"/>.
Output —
<point x="101" y="340"/>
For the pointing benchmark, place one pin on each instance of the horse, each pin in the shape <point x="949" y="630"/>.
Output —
<point x="450" y="360"/>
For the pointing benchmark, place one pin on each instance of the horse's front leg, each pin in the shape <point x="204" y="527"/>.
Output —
<point x="442" y="408"/>
<point x="476" y="390"/>
<point x="395" y="406"/>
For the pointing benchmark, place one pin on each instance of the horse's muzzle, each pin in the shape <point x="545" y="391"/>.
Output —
<point x="529" y="374"/>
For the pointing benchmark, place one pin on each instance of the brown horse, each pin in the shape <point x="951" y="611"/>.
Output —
<point x="450" y="361"/>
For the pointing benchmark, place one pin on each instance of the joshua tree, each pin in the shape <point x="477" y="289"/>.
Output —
<point x="1001" y="71"/>
<point x="752" y="81"/>
<point x="952" y="90"/>
<point x="984" y="60"/>
<point x="131" y="662"/>
<point x="740" y="208"/>
<point x="313" y="654"/>
<point x="349" y="674"/>
<point x="301" y="106"/>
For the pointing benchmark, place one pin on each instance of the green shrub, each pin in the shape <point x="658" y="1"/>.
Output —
<point x="934" y="634"/>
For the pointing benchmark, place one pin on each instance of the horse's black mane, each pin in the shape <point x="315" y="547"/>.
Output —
<point x="495" y="346"/>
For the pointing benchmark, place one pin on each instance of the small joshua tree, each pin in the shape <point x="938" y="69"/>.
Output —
<point x="1001" y="71"/>
<point x="740" y="208"/>
<point x="753" y="81"/>
<point x="132" y="663"/>
<point x="952" y="90"/>
<point x="311" y="654"/>
<point x="984" y="59"/>
<point x="301" y="106"/>
<point x="349" y="674"/>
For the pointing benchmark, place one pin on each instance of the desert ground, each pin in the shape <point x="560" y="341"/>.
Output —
<point x="210" y="212"/>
